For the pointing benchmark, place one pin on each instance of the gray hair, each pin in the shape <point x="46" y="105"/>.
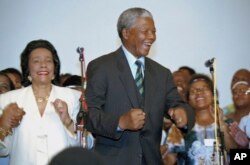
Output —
<point x="128" y="17"/>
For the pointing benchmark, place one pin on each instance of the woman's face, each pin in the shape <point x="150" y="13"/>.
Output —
<point x="200" y="95"/>
<point x="41" y="66"/>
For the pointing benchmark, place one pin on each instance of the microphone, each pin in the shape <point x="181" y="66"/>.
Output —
<point x="80" y="52"/>
<point x="209" y="62"/>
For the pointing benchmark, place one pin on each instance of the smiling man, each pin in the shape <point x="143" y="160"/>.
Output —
<point x="128" y="95"/>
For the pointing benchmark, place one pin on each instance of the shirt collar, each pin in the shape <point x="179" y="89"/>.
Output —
<point x="131" y="59"/>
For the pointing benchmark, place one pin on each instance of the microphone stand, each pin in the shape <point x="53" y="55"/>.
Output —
<point x="219" y="147"/>
<point x="219" y="135"/>
<point x="82" y="133"/>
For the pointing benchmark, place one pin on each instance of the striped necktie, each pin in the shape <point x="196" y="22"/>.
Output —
<point x="139" y="77"/>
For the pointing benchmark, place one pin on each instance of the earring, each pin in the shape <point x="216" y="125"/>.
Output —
<point x="30" y="78"/>
<point x="53" y="77"/>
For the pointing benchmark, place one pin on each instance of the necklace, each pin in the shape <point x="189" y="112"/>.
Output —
<point x="41" y="99"/>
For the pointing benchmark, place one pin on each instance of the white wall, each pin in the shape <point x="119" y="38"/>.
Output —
<point x="189" y="32"/>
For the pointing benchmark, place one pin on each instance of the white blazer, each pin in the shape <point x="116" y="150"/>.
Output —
<point x="38" y="138"/>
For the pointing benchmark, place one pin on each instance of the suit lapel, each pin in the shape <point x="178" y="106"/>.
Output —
<point x="149" y="84"/>
<point x="127" y="78"/>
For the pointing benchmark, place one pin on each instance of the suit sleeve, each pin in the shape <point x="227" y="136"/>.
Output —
<point x="174" y="100"/>
<point x="99" y="121"/>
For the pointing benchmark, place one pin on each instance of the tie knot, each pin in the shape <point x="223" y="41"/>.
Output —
<point x="138" y="63"/>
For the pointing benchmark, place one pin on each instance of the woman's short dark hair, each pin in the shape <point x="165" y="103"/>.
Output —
<point x="26" y="55"/>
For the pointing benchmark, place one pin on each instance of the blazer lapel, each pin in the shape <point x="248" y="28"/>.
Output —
<point x="127" y="78"/>
<point x="149" y="86"/>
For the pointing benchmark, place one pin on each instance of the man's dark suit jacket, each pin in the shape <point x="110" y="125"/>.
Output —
<point x="111" y="91"/>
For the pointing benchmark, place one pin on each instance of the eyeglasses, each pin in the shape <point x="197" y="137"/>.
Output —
<point x="194" y="91"/>
<point x="241" y="91"/>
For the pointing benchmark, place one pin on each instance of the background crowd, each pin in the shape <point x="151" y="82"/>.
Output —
<point x="39" y="107"/>
<point x="193" y="88"/>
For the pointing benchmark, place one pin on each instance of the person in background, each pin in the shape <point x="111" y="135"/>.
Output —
<point x="15" y="76"/>
<point x="78" y="156"/>
<point x="5" y="86"/>
<point x="181" y="83"/>
<point x="5" y="83"/>
<point x="64" y="77"/>
<point x="241" y="101"/>
<point x="239" y="75"/>
<point x="241" y="132"/>
<point x="73" y="82"/>
<point x="128" y="94"/>
<point x="188" y="72"/>
<point x="46" y="111"/>
<point x="200" y="141"/>
<point x="240" y="128"/>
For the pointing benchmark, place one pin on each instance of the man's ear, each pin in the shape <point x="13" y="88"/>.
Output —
<point x="125" y="33"/>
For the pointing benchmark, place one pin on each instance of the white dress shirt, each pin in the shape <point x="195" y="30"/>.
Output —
<point x="131" y="61"/>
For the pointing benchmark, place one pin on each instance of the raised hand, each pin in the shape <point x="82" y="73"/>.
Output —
<point x="238" y="135"/>
<point x="61" y="108"/>
<point x="132" y="120"/>
<point x="11" y="118"/>
<point x="179" y="116"/>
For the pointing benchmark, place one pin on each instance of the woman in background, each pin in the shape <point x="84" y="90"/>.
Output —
<point x="5" y="86"/>
<point x="200" y="141"/>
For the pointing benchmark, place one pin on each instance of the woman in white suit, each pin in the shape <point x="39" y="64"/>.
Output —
<point x="45" y="112"/>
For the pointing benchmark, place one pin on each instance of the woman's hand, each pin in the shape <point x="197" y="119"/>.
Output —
<point x="11" y="118"/>
<point x="61" y="108"/>
<point x="238" y="135"/>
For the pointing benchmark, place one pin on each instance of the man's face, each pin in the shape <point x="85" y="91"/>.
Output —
<point x="140" y="37"/>
<point x="240" y="98"/>
<point x="241" y="75"/>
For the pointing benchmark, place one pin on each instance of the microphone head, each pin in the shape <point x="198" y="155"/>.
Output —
<point x="209" y="62"/>
<point x="80" y="50"/>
